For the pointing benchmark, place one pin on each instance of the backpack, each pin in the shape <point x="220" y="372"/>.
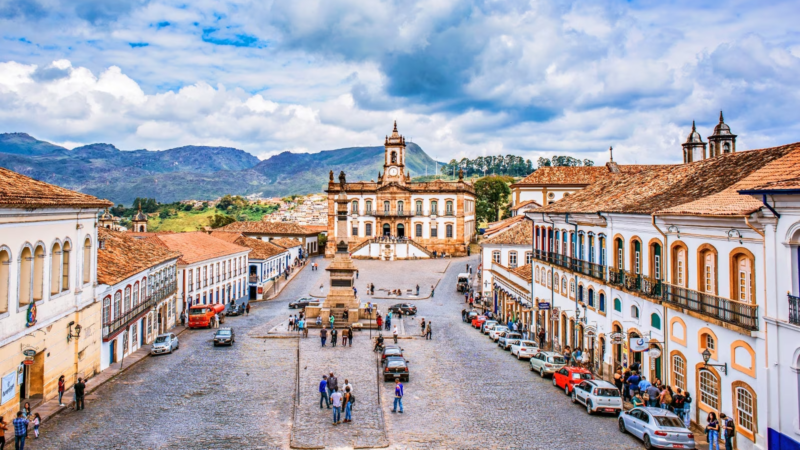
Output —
<point x="352" y="399"/>
<point x="668" y="399"/>
<point x="729" y="423"/>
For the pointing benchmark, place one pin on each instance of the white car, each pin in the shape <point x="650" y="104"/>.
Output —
<point x="597" y="396"/>
<point x="507" y="338"/>
<point x="164" y="343"/>
<point x="494" y="334"/>
<point x="546" y="363"/>
<point x="488" y="325"/>
<point x="524" y="349"/>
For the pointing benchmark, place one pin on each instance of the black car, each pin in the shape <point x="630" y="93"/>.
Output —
<point x="403" y="309"/>
<point x="395" y="367"/>
<point x="303" y="302"/>
<point x="389" y="351"/>
<point x="470" y="315"/>
<point x="234" y="309"/>
<point x="224" y="336"/>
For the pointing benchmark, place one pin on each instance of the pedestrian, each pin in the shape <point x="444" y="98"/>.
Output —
<point x="323" y="392"/>
<point x="417" y="290"/>
<point x="422" y="326"/>
<point x="344" y="337"/>
<point x="21" y="431"/>
<point x="728" y="430"/>
<point x="356" y="274"/>
<point x="37" y="420"/>
<point x="637" y="401"/>
<point x="301" y="324"/>
<point x="394" y="334"/>
<point x="323" y="335"/>
<point x="398" y="396"/>
<point x="333" y="384"/>
<point x="62" y="385"/>
<point x="428" y="331"/>
<point x="677" y="402"/>
<point x="687" y="408"/>
<point x="347" y="385"/>
<point x="350" y="335"/>
<point x="3" y="429"/>
<point x="183" y="320"/>
<point x="651" y="395"/>
<point x="247" y="309"/>
<point x="80" y="390"/>
<point x="712" y="431"/>
<point x="348" y="396"/>
<point x="666" y="397"/>
<point x="336" y="400"/>
<point x="542" y="337"/>
<point x="432" y="291"/>
<point x="216" y="320"/>
<point x="320" y="289"/>
<point x="378" y="320"/>
<point x="633" y="383"/>
<point x="291" y="323"/>
<point x="334" y="337"/>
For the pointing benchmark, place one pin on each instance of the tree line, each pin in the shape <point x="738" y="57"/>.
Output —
<point x="511" y="165"/>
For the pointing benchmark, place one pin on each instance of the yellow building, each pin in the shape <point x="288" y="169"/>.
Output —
<point x="50" y="323"/>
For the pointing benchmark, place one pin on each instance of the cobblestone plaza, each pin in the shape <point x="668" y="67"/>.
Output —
<point x="464" y="392"/>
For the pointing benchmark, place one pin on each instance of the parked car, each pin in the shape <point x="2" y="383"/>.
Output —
<point x="567" y="377"/>
<point x="396" y="367"/>
<point x="597" y="396"/>
<point x="403" y="309"/>
<point x="164" y="343"/>
<point x="507" y="338"/>
<point x="303" y="302"/>
<point x="224" y="336"/>
<point x="524" y="349"/>
<point x="656" y="427"/>
<point x="494" y="334"/>
<point x="390" y="350"/>
<point x="478" y="321"/>
<point x="471" y="315"/>
<point x="547" y="363"/>
<point x="234" y="309"/>
<point x="488" y="325"/>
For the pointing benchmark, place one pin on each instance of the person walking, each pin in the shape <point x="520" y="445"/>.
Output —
<point x="542" y="337"/>
<point x="422" y="327"/>
<point x="21" y="431"/>
<point x="290" y="324"/>
<point x="344" y="337"/>
<point x="712" y="430"/>
<point x="247" y="309"/>
<point x="334" y="336"/>
<point x="394" y="334"/>
<point x="3" y="429"/>
<point x="323" y="392"/>
<point x="428" y="331"/>
<point x="62" y="385"/>
<point x="331" y="319"/>
<point x="378" y="320"/>
<point x="398" y="396"/>
<point x="80" y="390"/>
<point x="323" y="335"/>
<point x="728" y="430"/>
<point x="417" y="290"/>
<point x="687" y="408"/>
<point x="336" y="400"/>
<point x="350" y="335"/>
<point x="333" y="384"/>
<point x="216" y="320"/>
<point x="37" y="420"/>
<point x="348" y="397"/>
<point x="432" y="291"/>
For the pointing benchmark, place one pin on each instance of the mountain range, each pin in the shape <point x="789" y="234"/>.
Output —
<point x="192" y="172"/>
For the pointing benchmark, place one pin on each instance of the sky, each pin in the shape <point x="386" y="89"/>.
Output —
<point x="462" y="78"/>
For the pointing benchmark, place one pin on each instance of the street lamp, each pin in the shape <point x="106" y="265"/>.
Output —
<point x="707" y="356"/>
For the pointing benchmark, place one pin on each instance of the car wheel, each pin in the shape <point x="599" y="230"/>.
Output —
<point x="541" y="373"/>
<point x="531" y="368"/>
<point x="621" y="425"/>
<point x="589" y="408"/>
<point x="647" y="444"/>
<point x="574" y="396"/>
<point x="170" y="350"/>
<point x="554" y="382"/>
<point x="566" y="389"/>
<point x="518" y="357"/>
<point x="215" y="344"/>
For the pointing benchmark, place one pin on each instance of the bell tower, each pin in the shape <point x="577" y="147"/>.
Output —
<point x="694" y="149"/>
<point x="394" y="158"/>
<point x="722" y="141"/>
<point x="139" y="221"/>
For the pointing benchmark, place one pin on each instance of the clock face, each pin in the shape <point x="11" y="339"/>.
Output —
<point x="393" y="171"/>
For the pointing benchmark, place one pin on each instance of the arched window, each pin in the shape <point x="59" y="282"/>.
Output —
<point x="591" y="247"/>
<point x="709" y="389"/>
<point x="106" y="310"/>
<point x="619" y="246"/>
<point x="549" y="278"/>
<point x="655" y="321"/>
<point x="655" y="260"/>
<point x="745" y="410"/>
<point x="679" y="266"/>
<point x="636" y="257"/>
<point x="65" y="266"/>
<point x="743" y="275"/>
<point x="557" y="246"/>
<point x="536" y="272"/>
<point x="394" y="157"/>
<point x="127" y="306"/>
<point x="369" y="206"/>
<point x="617" y="305"/>
<point x="572" y="288"/>
<point x="117" y="305"/>
<point x="87" y="261"/>
<point x="591" y="297"/>
<point x="564" y="285"/>
<point x="602" y="242"/>
<point x="581" y="246"/>
<point x="55" y="268"/>
<point x="38" y="273"/>
<point x="448" y="207"/>
<point x="354" y="207"/>
<point x="602" y="302"/>
<point x="400" y="206"/>
<point x="5" y="280"/>
<point x="726" y="148"/>
<point x="564" y="244"/>
<point x="679" y="371"/>
<point x="418" y="205"/>
<point x="449" y="231"/>
<point x="144" y="289"/>
<point x="580" y="293"/>
<point x="434" y="208"/>
<point x="135" y="294"/>
<point x="496" y="258"/>
<point x="634" y="311"/>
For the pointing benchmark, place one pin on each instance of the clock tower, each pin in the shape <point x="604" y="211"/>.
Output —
<point x="395" y="158"/>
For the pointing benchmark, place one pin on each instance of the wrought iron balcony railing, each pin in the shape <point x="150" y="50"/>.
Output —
<point x="794" y="309"/>
<point x="741" y="314"/>
<point x="126" y="319"/>
<point x="635" y="282"/>
<point x="392" y="213"/>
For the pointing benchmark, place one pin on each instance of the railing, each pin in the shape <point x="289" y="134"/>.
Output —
<point x="794" y="309"/>
<point x="449" y="213"/>
<point x="730" y="311"/>
<point x="576" y="265"/>
<point x="125" y="320"/>
<point x="393" y="212"/>
<point x="635" y="282"/>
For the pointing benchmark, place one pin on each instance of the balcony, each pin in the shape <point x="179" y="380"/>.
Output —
<point x="393" y="213"/>
<point x="576" y="265"/>
<point x="449" y="213"/>
<point x="736" y="313"/>
<point x="794" y="309"/>
<point x="635" y="282"/>
<point x="122" y="322"/>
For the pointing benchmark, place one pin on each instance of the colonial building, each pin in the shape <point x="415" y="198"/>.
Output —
<point x="506" y="245"/>
<point x="50" y="324"/>
<point x="266" y="261"/>
<point x="435" y="216"/>
<point x="137" y="286"/>
<point x="268" y="231"/>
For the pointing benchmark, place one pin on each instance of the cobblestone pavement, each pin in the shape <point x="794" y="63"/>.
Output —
<point x="464" y="391"/>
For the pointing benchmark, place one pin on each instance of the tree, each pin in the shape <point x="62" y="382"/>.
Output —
<point x="220" y="220"/>
<point x="492" y="195"/>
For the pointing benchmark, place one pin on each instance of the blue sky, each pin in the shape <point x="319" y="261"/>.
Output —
<point x="462" y="78"/>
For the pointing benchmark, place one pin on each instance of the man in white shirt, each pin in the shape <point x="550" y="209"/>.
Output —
<point x="394" y="334"/>
<point x="336" y="400"/>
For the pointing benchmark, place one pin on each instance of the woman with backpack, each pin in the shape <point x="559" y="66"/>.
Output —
<point x="687" y="408"/>
<point x="348" y="402"/>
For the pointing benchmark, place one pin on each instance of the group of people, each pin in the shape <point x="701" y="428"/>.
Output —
<point x="638" y="390"/>
<point x="346" y="334"/>
<point x="575" y="357"/>
<point x="425" y="327"/>
<point x="337" y="398"/>
<point x="314" y="267"/>
<point x="22" y="423"/>
<point x="298" y="324"/>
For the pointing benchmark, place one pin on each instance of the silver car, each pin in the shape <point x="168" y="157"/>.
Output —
<point x="508" y="338"/>
<point x="656" y="427"/>
<point x="546" y="363"/>
<point x="597" y="396"/>
<point x="164" y="343"/>
<point x="524" y="349"/>
<point x="494" y="334"/>
<point x="488" y="325"/>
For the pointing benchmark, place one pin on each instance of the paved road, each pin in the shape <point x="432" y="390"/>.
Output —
<point x="464" y="391"/>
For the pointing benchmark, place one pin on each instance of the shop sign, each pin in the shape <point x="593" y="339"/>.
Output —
<point x="616" y="338"/>
<point x="29" y="353"/>
<point x="544" y="306"/>
<point x="654" y="353"/>
<point x="556" y="311"/>
<point x="8" y="388"/>
<point x="639" y="344"/>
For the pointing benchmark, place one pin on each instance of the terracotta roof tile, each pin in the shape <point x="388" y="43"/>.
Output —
<point x="532" y="203"/>
<point x="286" y="242"/>
<point x="523" y="272"/>
<point x="17" y="190"/>
<point x="494" y="227"/>
<point x="260" y="249"/>
<point x="316" y="228"/>
<point x="227" y="236"/>
<point x="575" y="176"/>
<point x="275" y="228"/>
<point x="123" y="256"/>
<point x="518" y="233"/>
<point x="197" y="246"/>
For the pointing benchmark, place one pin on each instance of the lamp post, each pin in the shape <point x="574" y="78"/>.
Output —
<point x="575" y="330"/>
<point x="707" y="356"/>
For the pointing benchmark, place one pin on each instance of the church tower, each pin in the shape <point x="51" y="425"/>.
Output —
<point x="139" y="221"/>
<point x="694" y="149"/>
<point x="722" y="141"/>
<point x="107" y="220"/>
<point x="395" y="158"/>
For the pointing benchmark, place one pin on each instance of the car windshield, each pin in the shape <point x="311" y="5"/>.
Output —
<point x="556" y="360"/>
<point x="393" y="351"/>
<point x="162" y="339"/>
<point x="396" y="363"/>
<point x="581" y="376"/>
<point x="223" y="333"/>
<point x="607" y="392"/>
<point x="666" y="421"/>
<point x="500" y="329"/>
<point x="513" y="336"/>
<point x="198" y="311"/>
<point x="527" y="343"/>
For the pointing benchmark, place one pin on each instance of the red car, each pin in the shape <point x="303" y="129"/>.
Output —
<point x="478" y="321"/>
<point x="567" y="377"/>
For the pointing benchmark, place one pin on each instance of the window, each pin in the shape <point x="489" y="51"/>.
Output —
<point x="708" y="342"/>
<point x="117" y="304"/>
<point x="591" y="248"/>
<point x="617" y="305"/>
<point x="512" y="259"/>
<point x="434" y="233"/>
<point x="448" y="207"/>
<point x="191" y="282"/>
<point x="528" y="257"/>
<point x="602" y="302"/>
<point x="680" y="269"/>
<point x="418" y="206"/>
<point x="572" y="288"/>
<point x="369" y="206"/>
<point x="106" y="310"/>
<point x="205" y="276"/>
<point x="135" y="294"/>
<point x="564" y="285"/>
<point x="144" y="290"/>
<point x="679" y="371"/>
<point x="400" y="207"/>
<point x="217" y="272"/>
<point x="549" y="278"/>
<point x="602" y="241"/>
<point x="637" y="257"/>
<point x="55" y="268"/>
<point x="127" y="304"/>
<point x="634" y="312"/>
<point x="537" y="274"/>
<point x="745" y="416"/>
<point x="591" y="297"/>
<point x="434" y="207"/>
<point x="65" y="266"/>
<point x="355" y="230"/>
<point x="708" y="273"/>
<point x="709" y="389"/>
<point x="655" y="321"/>
<point x="744" y="279"/>
<point x="582" y="254"/>
<point x="87" y="261"/>
<point x="354" y="207"/>
<point x="620" y="254"/>
<point x="368" y="229"/>
<point x="580" y="293"/>
<point x="418" y="230"/>
<point x="496" y="256"/>
<point x="5" y="274"/>
<point x="386" y="206"/>
<point x="449" y="231"/>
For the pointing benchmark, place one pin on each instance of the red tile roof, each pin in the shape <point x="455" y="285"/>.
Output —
<point x="272" y="228"/>
<point x="518" y="233"/>
<point x="260" y="249"/>
<point x="532" y="203"/>
<point x="575" y="176"/>
<point x="286" y="243"/>
<point x="494" y="227"/>
<point x="17" y="190"/>
<point x="197" y="246"/>
<point x="316" y="228"/>
<point x="122" y="256"/>
<point x="523" y="272"/>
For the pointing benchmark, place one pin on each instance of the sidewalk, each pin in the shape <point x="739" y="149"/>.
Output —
<point x="50" y="408"/>
<point x="283" y="285"/>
